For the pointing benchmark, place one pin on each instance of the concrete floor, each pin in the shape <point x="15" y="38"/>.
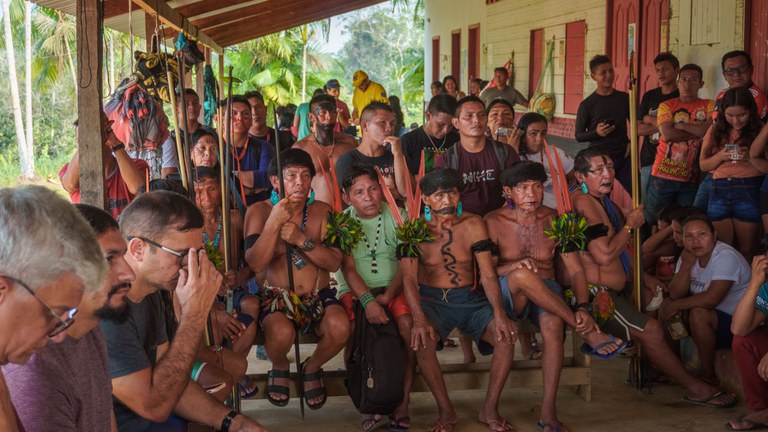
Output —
<point x="614" y="407"/>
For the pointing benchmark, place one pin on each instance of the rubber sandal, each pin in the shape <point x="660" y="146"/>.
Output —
<point x="279" y="389"/>
<point x="556" y="428"/>
<point x="594" y="352"/>
<point x="396" y="425"/>
<point x="315" y="392"/>
<point x="244" y="393"/>
<point x="708" y="401"/>
<point x="372" y="423"/>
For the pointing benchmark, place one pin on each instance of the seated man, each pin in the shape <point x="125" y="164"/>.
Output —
<point x="150" y="374"/>
<point x="607" y="264"/>
<point x="527" y="278"/>
<point x="122" y="175"/>
<point x="750" y="346"/>
<point x="295" y="225"/>
<point x="241" y="328"/>
<point x="370" y="273"/>
<point x="660" y="251"/>
<point x="49" y="258"/>
<point x="710" y="278"/>
<point x="50" y="394"/>
<point x="440" y="289"/>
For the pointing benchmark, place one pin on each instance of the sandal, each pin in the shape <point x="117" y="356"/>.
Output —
<point x="372" y="422"/>
<point x="277" y="389"/>
<point x="401" y="424"/>
<point x="247" y="384"/>
<point x="315" y="392"/>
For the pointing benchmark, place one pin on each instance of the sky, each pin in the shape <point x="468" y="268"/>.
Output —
<point x="338" y="37"/>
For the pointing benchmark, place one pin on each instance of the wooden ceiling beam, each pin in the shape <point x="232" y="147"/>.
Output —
<point x="275" y="8"/>
<point x="113" y="8"/>
<point x="207" y="6"/>
<point x="174" y="19"/>
<point x="269" y="23"/>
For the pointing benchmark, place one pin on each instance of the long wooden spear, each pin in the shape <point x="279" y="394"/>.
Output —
<point x="289" y="260"/>
<point x="638" y="372"/>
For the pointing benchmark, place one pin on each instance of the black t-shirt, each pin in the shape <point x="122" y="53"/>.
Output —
<point x="596" y="109"/>
<point x="417" y="140"/>
<point x="649" y="105"/>
<point x="286" y="139"/>
<point x="385" y="163"/>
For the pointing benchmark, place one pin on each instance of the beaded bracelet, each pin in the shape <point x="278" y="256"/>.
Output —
<point x="364" y="297"/>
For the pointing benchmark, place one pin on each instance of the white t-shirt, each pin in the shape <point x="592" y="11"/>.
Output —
<point x="727" y="264"/>
<point x="549" y="191"/>
<point x="170" y="158"/>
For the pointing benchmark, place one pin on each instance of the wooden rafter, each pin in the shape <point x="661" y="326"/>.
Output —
<point x="171" y="18"/>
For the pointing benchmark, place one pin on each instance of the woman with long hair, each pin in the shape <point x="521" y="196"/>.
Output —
<point x="734" y="204"/>
<point x="451" y="86"/>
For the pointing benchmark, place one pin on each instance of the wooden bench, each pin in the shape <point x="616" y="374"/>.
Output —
<point x="462" y="376"/>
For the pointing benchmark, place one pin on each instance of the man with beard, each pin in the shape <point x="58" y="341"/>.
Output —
<point x="250" y="156"/>
<point x="259" y="129"/>
<point x="607" y="265"/>
<point x="436" y="136"/>
<point x="377" y="122"/>
<point x="527" y="277"/>
<point x="150" y="374"/>
<point x="54" y="391"/>
<point x="324" y="145"/>
<point x="440" y="290"/>
<point x="298" y="222"/>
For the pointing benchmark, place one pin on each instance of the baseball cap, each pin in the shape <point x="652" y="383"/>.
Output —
<point x="332" y="84"/>
<point x="358" y="78"/>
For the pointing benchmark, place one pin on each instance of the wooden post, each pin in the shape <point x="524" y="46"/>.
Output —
<point x="90" y="39"/>
<point x="150" y="23"/>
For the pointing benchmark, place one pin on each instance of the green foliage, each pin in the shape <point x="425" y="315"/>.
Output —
<point x="344" y="232"/>
<point x="410" y="234"/>
<point x="569" y="229"/>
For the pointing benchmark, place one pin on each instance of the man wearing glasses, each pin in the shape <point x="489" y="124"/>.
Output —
<point x="51" y="391"/>
<point x="150" y="373"/>
<point x="49" y="258"/>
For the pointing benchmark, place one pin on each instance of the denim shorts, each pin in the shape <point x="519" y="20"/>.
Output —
<point x="531" y="311"/>
<point x="462" y="308"/>
<point x="735" y="198"/>
<point x="662" y="192"/>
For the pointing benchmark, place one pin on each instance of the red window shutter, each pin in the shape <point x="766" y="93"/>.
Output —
<point x="574" y="66"/>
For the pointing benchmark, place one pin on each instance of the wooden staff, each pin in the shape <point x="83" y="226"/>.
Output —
<point x="638" y="368"/>
<point x="289" y="260"/>
<point x="190" y="173"/>
<point x="179" y="146"/>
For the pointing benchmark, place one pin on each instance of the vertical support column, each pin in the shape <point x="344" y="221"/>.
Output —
<point x="90" y="39"/>
<point x="200" y="85"/>
<point x="150" y="22"/>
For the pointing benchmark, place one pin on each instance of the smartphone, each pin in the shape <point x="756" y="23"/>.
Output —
<point x="609" y="122"/>
<point x="733" y="150"/>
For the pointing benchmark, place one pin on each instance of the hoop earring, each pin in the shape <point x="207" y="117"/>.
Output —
<point x="459" y="209"/>
<point x="427" y="213"/>
<point x="274" y="198"/>
<point x="311" y="196"/>
<point x="584" y="188"/>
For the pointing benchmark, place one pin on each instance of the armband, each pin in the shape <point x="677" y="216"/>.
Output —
<point x="250" y="241"/>
<point x="486" y="245"/>
<point x="596" y="231"/>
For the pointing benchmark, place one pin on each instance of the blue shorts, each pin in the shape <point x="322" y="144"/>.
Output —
<point x="662" y="192"/>
<point x="735" y="198"/>
<point x="174" y="423"/>
<point x="723" y="330"/>
<point x="237" y="297"/>
<point x="532" y="310"/>
<point x="462" y="308"/>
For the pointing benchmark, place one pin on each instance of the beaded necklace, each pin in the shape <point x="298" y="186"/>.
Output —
<point x="372" y="250"/>
<point x="214" y="243"/>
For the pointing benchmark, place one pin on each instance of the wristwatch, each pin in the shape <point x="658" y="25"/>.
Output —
<point x="308" y="244"/>
<point x="227" y="422"/>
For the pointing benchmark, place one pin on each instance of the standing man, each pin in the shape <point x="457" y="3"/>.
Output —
<point x="435" y="137"/>
<point x="49" y="258"/>
<point x="366" y="91"/>
<point x="502" y="90"/>
<point x="324" y="145"/>
<point x="251" y="156"/>
<point x="601" y="119"/>
<point x="440" y="290"/>
<point x="682" y="122"/>
<point x="259" y="128"/>
<point x="301" y="123"/>
<point x="478" y="159"/>
<point x="377" y="122"/>
<point x="122" y="175"/>
<point x="333" y="88"/>
<point x="150" y="374"/>
<point x="53" y="392"/>
<point x="192" y="106"/>
<point x="666" y="67"/>
<point x="607" y="264"/>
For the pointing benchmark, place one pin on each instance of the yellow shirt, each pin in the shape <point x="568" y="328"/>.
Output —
<point x="374" y="92"/>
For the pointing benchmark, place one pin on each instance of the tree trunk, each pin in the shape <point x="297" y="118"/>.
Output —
<point x="28" y="83"/>
<point x="25" y="159"/>
<point x="71" y="62"/>
<point x="304" y="73"/>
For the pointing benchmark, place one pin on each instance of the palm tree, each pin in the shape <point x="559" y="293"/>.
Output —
<point x="58" y="34"/>
<point x="26" y="156"/>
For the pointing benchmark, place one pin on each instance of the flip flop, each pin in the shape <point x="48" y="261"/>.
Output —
<point x="708" y="401"/>
<point x="442" y="427"/>
<point x="244" y="393"/>
<point x="556" y="428"/>
<point x="594" y="352"/>
<point x="372" y="423"/>
<point x="751" y="425"/>
<point x="495" y="424"/>
<point x="396" y="425"/>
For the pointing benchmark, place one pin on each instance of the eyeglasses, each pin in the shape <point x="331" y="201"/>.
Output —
<point x="60" y="326"/>
<point x="733" y="71"/>
<point x="181" y="255"/>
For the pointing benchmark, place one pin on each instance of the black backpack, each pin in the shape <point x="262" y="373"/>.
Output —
<point x="376" y="366"/>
